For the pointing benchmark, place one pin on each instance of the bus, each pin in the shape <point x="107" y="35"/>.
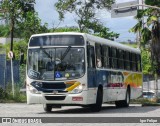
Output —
<point x="79" y="69"/>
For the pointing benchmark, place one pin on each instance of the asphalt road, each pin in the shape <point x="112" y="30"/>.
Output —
<point x="135" y="110"/>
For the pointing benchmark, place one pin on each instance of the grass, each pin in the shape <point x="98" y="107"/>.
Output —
<point x="146" y="102"/>
<point x="6" y="96"/>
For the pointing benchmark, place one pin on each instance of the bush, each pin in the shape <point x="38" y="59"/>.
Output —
<point x="7" y="95"/>
<point x="3" y="94"/>
<point x="142" y="101"/>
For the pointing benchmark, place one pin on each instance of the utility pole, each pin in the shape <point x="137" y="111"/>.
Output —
<point x="11" y="49"/>
<point x="12" y="26"/>
<point x="139" y="44"/>
<point x="12" y="33"/>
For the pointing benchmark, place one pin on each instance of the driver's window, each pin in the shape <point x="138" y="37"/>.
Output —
<point x="90" y="56"/>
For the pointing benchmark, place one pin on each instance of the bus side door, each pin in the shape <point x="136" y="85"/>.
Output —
<point x="91" y="67"/>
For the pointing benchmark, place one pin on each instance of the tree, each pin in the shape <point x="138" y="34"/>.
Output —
<point x="86" y="15"/>
<point x="22" y="18"/>
<point x="65" y="29"/>
<point x="31" y="24"/>
<point x="150" y="32"/>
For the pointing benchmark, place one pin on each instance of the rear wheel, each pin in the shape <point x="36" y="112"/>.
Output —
<point x="97" y="107"/>
<point x="124" y="103"/>
<point x="127" y="99"/>
<point x="47" y="107"/>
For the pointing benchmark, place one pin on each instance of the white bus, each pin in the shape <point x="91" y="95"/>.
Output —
<point x="81" y="69"/>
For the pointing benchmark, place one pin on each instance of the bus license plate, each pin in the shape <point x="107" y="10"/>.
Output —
<point x="77" y="98"/>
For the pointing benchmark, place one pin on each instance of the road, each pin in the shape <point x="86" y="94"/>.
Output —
<point x="108" y="110"/>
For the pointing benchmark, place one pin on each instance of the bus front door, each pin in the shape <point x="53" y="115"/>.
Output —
<point x="91" y="67"/>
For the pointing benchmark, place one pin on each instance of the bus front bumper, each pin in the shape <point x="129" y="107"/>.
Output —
<point x="44" y="98"/>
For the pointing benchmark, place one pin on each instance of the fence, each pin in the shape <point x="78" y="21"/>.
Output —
<point x="151" y="85"/>
<point x="5" y="70"/>
<point x="2" y="67"/>
<point x="16" y="75"/>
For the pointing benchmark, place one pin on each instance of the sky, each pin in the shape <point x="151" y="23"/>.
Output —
<point x="48" y="14"/>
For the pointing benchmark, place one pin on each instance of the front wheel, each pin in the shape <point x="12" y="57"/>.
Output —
<point x="97" y="107"/>
<point x="47" y="107"/>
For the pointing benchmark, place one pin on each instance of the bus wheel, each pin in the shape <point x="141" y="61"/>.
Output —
<point x="47" y="107"/>
<point x="124" y="103"/>
<point x="97" y="107"/>
<point x="127" y="99"/>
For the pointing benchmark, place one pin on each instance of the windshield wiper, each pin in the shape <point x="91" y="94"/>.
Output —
<point x="65" y="53"/>
<point x="46" y="53"/>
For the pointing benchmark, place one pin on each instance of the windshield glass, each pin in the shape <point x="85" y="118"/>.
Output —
<point x="56" y="63"/>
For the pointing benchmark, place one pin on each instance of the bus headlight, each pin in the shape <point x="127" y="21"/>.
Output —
<point x="34" y="90"/>
<point x="77" y="90"/>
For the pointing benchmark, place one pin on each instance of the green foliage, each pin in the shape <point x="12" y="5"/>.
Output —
<point x="64" y="6"/>
<point x="146" y="62"/>
<point x="31" y="25"/>
<point x="24" y="21"/>
<point x="7" y="94"/>
<point x="86" y="13"/>
<point x="132" y="45"/>
<point x="1" y="45"/>
<point x="2" y="94"/>
<point x="146" y="36"/>
<point x="4" y="31"/>
<point x="137" y="27"/>
<point x="150" y="32"/>
<point x="65" y="29"/>
<point x="101" y="31"/>
<point x="142" y="101"/>
<point x="22" y="75"/>
<point x="153" y="2"/>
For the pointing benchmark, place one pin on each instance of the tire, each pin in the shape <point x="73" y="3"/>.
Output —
<point x="47" y="107"/>
<point x="127" y="99"/>
<point x="124" y="103"/>
<point x="97" y="107"/>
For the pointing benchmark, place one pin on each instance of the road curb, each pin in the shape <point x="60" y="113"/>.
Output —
<point x="150" y="104"/>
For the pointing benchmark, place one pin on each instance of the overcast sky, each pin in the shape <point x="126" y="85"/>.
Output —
<point x="47" y="13"/>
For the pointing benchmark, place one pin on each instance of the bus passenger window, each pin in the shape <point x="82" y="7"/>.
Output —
<point x="120" y="59"/>
<point x="105" y="56"/>
<point x="133" y="62"/>
<point x="90" y="56"/>
<point x="114" y="57"/>
<point x="127" y="61"/>
<point x="98" y="55"/>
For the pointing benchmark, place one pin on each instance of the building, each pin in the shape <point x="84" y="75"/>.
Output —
<point x="4" y="40"/>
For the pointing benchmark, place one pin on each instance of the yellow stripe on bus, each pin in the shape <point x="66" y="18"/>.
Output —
<point x="76" y="84"/>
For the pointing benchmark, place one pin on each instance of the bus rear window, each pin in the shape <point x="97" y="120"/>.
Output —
<point x="57" y="40"/>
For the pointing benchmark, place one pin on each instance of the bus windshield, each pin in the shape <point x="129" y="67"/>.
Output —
<point x="58" y="63"/>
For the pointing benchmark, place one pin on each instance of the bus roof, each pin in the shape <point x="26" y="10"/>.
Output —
<point x="92" y="38"/>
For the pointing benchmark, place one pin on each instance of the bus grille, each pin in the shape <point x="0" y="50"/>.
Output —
<point x="55" y="97"/>
<point x="53" y="85"/>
